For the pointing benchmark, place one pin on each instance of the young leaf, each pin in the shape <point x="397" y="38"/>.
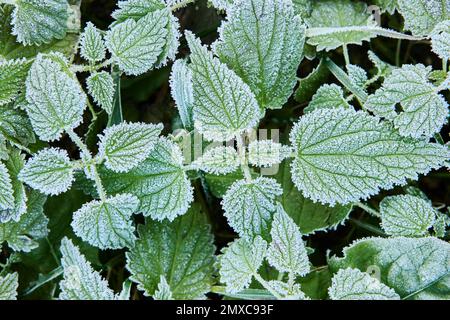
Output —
<point x="286" y="252"/>
<point x="329" y="96"/>
<point x="56" y="101"/>
<point x="357" y="75"/>
<point x="181" y="251"/>
<point x="440" y="40"/>
<point x="92" y="45"/>
<point x="406" y="215"/>
<point x="136" y="9"/>
<point x="240" y="261"/>
<point x="424" y="110"/>
<point x="6" y="189"/>
<point x="40" y="21"/>
<point x="107" y="224"/>
<point x="249" y="206"/>
<point x="265" y="153"/>
<point x="125" y="145"/>
<point x="182" y="92"/>
<point x="219" y="160"/>
<point x="262" y="41"/>
<point x="286" y="291"/>
<point x="8" y="286"/>
<point x="352" y="284"/>
<point x="163" y="291"/>
<point x="81" y="281"/>
<point x="101" y="87"/>
<point x="343" y="155"/>
<point x="49" y="171"/>
<point x="12" y="76"/>
<point x="224" y="106"/>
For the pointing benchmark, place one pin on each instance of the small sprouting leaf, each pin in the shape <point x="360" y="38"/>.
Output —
<point x="352" y="284"/>
<point x="49" y="171"/>
<point x="440" y="40"/>
<point x="240" y="261"/>
<point x="6" y="189"/>
<point x="12" y="77"/>
<point x="424" y="110"/>
<point x="406" y="215"/>
<point x="357" y="75"/>
<point x="224" y="106"/>
<point x="181" y="251"/>
<point x="286" y="252"/>
<point x="249" y="206"/>
<point x="92" y="45"/>
<point x="136" y="46"/>
<point x="107" y="224"/>
<point x="56" y="100"/>
<point x="343" y="155"/>
<point x="262" y="41"/>
<point x="218" y="160"/>
<point x="329" y="96"/>
<point x="81" y="281"/>
<point x="40" y="21"/>
<point x="163" y="291"/>
<point x="8" y="286"/>
<point x="286" y="291"/>
<point x="125" y="145"/>
<point x="101" y="87"/>
<point x="265" y="153"/>
<point x="182" y="92"/>
<point x="136" y="9"/>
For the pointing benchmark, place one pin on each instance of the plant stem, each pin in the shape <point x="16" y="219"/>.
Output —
<point x="397" y="52"/>
<point x="181" y="4"/>
<point x="444" y="65"/>
<point x="266" y="286"/>
<point x="438" y="138"/>
<point x="368" y="209"/>
<point x="89" y="68"/>
<point x="346" y="56"/>
<point x="242" y="155"/>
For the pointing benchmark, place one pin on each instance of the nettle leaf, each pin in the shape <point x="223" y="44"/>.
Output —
<point x="170" y="49"/>
<point x="424" y="110"/>
<point x="286" y="252"/>
<point x="286" y="291"/>
<point x="92" y="47"/>
<point x="107" y="224"/>
<point x="136" y="9"/>
<point x="49" y="171"/>
<point x="386" y="5"/>
<point x="309" y="85"/>
<point x="421" y="16"/>
<point x="224" y="106"/>
<point x="56" y="100"/>
<point x="352" y="284"/>
<point x="101" y="87"/>
<point x="330" y="19"/>
<point x="441" y="224"/>
<point x="240" y="261"/>
<point x="249" y="206"/>
<point x="383" y="68"/>
<point x="343" y="155"/>
<point x="182" y="251"/>
<point x="183" y="92"/>
<point x="406" y="215"/>
<point x="357" y="75"/>
<point x="12" y="76"/>
<point x="163" y="291"/>
<point x="414" y="268"/>
<point x="136" y="46"/>
<point x="159" y="182"/>
<point x="6" y="189"/>
<point x="262" y="41"/>
<point x="8" y="286"/>
<point x="221" y="4"/>
<point x="265" y="153"/>
<point x="40" y="21"/>
<point x="81" y="281"/>
<point x="125" y="145"/>
<point x="3" y="148"/>
<point x="303" y="7"/>
<point x="328" y="96"/>
<point x="15" y="126"/>
<point x="440" y="40"/>
<point x="218" y="160"/>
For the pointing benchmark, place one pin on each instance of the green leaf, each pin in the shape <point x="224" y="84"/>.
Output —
<point x="136" y="9"/>
<point x="357" y="75"/>
<point x="224" y="106"/>
<point x="303" y="7"/>
<point x="352" y="284"/>
<point x="266" y="153"/>
<point x="414" y="268"/>
<point x="6" y="189"/>
<point x="163" y="291"/>
<point x="221" y="4"/>
<point x="384" y="69"/>
<point x="386" y="5"/>
<point x="8" y="286"/>
<point x="329" y="96"/>
<point x="262" y="41"/>
<point x="92" y="47"/>
<point x="12" y="76"/>
<point x="218" y="160"/>
<point x="182" y="251"/>
<point x="440" y="40"/>
<point x="15" y="126"/>
<point x="308" y="86"/>
<point x="287" y="291"/>
<point x="343" y="155"/>
<point x="183" y="92"/>
<point x="101" y="87"/>
<point x="218" y="185"/>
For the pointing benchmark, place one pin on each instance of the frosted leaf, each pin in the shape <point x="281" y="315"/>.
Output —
<point x="172" y="42"/>
<point x="221" y="4"/>
<point x="8" y="286"/>
<point x="343" y="155"/>
<point x="224" y="106"/>
<point x="383" y="68"/>
<point x="440" y="40"/>
<point x="6" y="189"/>
<point x="329" y="96"/>
<point x="3" y="147"/>
<point x="163" y="291"/>
<point x="309" y="85"/>
<point x="332" y="17"/>
<point x="182" y="91"/>
<point x="240" y="261"/>
<point x="406" y="215"/>
<point x="249" y="206"/>
<point x="12" y="76"/>
<point x="352" y="284"/>
<point x="441" y="224"/>
<point x="181" y="251"/>
<point x="417" y="268"/>
<point x="49" y="171"/>
<point x="421" y="16"/>
<point x="107" y="224"/>
<point x="56" y="101"/>
<point x="92" y="45"/>
<point x="303" y="7"/>
<point x="357" y="75"/>
<point x="265" y="153"/>
<point x="136" y="9"/>
<point x="81" y="281"/>
<point x="386" y="5"/>
<point x="125" y="145"/>
<point x="219" y="160"/>
<point x="424" y="111"/>
<point x="287" y="292"/>
<point x="136" y="46"/>
<point x="159" y="182"/>
<point x="286" y="252"/>
<point x="15" y="125"/>
<point x="40" y="21"/>
<point x="262" y="41"/>
<point x="101" y="87"/>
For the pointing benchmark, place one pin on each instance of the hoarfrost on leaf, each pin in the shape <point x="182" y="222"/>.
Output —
<point x="101" y="87"/>
<point x="12" y="76"/>
<point x="440" y="40"/>
<point x="218" y="160"/>
<point x="163" y="291"/>
<point x="286" y="291"/>
<point x="92" y="45"/>
<point x="136" y="9"/>
<point x="265" y="153"/>
<point x="357" y="75"/>
<point x="183" y="92"/>
<point x="6" y="189"/>
<point x="328" y="96"/>
<point x="8" y="286"/>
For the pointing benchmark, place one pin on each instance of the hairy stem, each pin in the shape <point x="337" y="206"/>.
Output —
<point x="368" y="209"/>
<point x="266" y="286"/>
<point x="346" y="56"/>
<point x="77" y="68"/>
